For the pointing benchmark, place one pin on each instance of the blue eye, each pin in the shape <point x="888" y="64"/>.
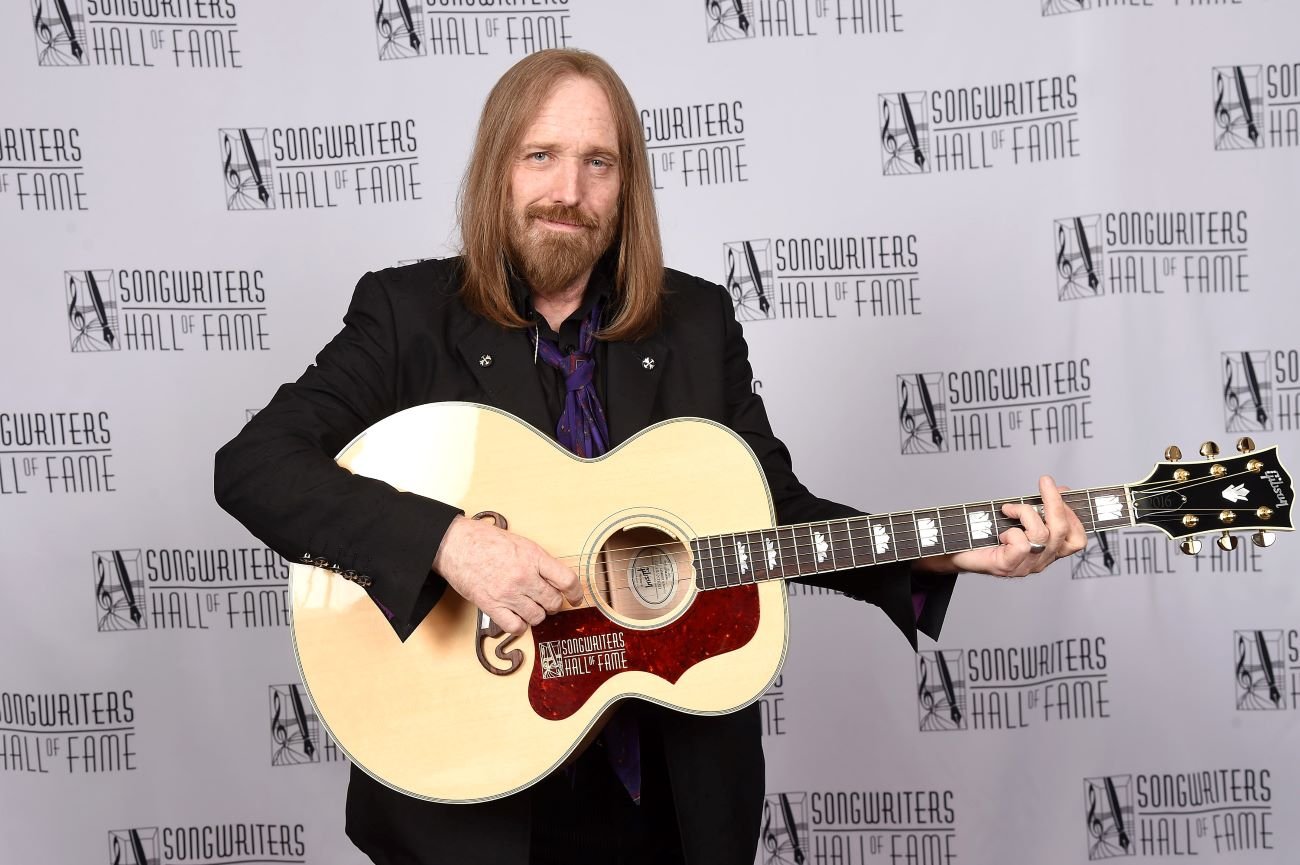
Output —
<point x="539" y="156"/>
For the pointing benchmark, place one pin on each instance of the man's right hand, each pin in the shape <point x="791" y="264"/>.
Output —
<point x="506" y="576"/>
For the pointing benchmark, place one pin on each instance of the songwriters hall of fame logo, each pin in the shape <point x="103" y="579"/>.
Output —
<point x="904" y="133"/>
<point x="748" y="266"/>
<point x="246" y="164"/>
<point x="1238" y="108"/>
<point x="1109" y="803"/>
<point x="941" y="690"/>
<point x="92" y="310"/>
<point x="295" y="729"/>
<point x="783" y="838"/>
<point x="119" y="590"/>
<point x="1247" y="391"/>
<point x="134" y="846"/>
<point x="60" y="32"/>
<point x="399" y="28"/>
<point x="922" y="419"/>
<point x="729" y="20"/>
<point x="1079" y="254"/>
<point x="1097" y="558"/>
<point x="1260" y="670"/>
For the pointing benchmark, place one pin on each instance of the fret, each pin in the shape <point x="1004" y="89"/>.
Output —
<point x="719" y="562"/>
<point x="1092" y="512"/>
<point x="848" y="530"/>
<point x="792" y="554"/>
<point x="757" y="562"/>
<point x="732" y="558"/>
<point x="956" y="533"/>
<point x="701" y="578"/>
<point x="830" y="542"/>
<point x="905" y="543"/>
<point x="773" y="561"/>
<point x="804" y="543"/>
<point x="930" y="532"/>
<point x="704" y="566"/>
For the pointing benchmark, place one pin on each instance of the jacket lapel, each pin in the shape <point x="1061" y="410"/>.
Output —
<point x="635" y="371"/>
<point x="501" y="361"/>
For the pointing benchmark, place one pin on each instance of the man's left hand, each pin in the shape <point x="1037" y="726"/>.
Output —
<point x="1058" y="531"/>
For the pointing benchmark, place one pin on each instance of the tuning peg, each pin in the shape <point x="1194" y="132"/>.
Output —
<point x="1209" y="450"/>
<point x="1245" y="444"/>
<point x="1173" y="453"/>
<point x="1226" y="542"/>
<point x="1262" y="538"/>
<point x="1190" y="547"/>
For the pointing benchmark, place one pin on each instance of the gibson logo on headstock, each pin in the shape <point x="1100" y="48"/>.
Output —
<point x="1275" y="481"/>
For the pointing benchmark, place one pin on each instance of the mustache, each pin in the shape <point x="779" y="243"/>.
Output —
<point x="562" y="213"/>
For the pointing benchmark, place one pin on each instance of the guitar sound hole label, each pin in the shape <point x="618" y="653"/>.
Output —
<point x="578" y="656"/>
<point x="652" y="577"/>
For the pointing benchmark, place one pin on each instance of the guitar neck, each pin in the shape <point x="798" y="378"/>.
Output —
<point x="809" y="549"/>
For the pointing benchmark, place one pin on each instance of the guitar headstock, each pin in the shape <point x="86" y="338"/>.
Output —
<point x="1216" y="495"/>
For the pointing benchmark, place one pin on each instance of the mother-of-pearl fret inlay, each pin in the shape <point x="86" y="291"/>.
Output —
<point x="929" y="532"/>
<point x="1109" y="508"/>
<point x="880" y="538"/>
<point x="981" y="525"/>
<point x="742" y="556"/>
<point x="772" y="556"/>
<point x="820" y="545"/>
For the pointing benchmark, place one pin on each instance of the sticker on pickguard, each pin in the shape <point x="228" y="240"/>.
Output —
<point x="579" y="656"/>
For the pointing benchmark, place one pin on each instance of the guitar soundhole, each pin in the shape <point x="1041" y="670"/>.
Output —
<point x="643" y="573"/>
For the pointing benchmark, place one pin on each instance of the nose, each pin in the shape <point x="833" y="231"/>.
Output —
<point x="566" y="182"/>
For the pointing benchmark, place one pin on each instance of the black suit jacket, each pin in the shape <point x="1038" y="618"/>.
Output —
<point x="408" y="340"/>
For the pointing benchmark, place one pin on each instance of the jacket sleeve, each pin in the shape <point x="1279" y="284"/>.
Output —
<point x="278" y="476"/>
<point x="890" y="587"/>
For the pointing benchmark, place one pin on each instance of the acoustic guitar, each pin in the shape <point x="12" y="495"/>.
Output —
<point x="673" y="536"/>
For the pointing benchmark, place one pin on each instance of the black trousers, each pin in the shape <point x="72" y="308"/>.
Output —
<point x="583" y="815"/>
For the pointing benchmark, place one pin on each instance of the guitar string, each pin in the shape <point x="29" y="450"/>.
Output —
<point x="1071" y="497"/>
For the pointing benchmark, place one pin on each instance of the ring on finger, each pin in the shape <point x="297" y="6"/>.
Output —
<point x="1036" y="548"/>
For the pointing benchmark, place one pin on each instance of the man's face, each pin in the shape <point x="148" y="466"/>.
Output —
<point x="564" y="187"/>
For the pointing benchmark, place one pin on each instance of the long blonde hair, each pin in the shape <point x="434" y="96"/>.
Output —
<point x="484" y="203"/>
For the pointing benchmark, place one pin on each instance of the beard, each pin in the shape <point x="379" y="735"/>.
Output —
<point x="551" y="260"/>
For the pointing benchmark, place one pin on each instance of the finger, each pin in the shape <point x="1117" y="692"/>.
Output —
<point x="1063" y="523"/>
<point x="546" y="596"/>
<point x="1031" y="523"/>
<point x="530" y="611"/>
<point x="508" y="621"/>
<point x="563" y="578"/>
<point x="1014" y="553"/>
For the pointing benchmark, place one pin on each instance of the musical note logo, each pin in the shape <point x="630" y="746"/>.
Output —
<point x="399" y="27"/>
<point x="1097" y="558"/>
<point x="1238" y="108"/>
<point x="1247" y="397"/>
<point x="904" y="133"/>
<point x="729" y="20"/>
<point x="246" y="168"/>
<point x="1259" y="670"/>
<point x="119" y="590"/>
<point x="294" y="728"/>
<point x="749" y="278"/>
<point x="1078" y="257"/>
<point x="922" y="419"/>
<point x="60" y="33"/>
<point x="784" y="834"/>
<point x="941" y="690"/>
<point x="1109" y="816"/>
<point x="91" y="310"/>
<point x="1061" y="7"/>
<point x="133" y="846"/>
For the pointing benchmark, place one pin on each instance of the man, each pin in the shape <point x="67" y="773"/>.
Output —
<point x="561" y="312"/>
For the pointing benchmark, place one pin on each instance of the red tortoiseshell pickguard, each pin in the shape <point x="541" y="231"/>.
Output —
<point x="716" y="622"/>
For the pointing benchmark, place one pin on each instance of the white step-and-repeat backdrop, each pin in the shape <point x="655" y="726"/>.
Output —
<point x="971" y="242"/>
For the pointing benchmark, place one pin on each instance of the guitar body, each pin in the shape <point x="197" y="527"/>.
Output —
<point x="460" y="712"/>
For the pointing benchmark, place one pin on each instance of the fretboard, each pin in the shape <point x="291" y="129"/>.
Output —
<point x="808" y="549"/>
